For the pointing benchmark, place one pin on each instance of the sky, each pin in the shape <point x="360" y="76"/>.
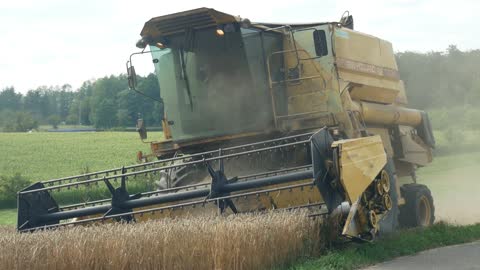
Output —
<point x="57" y="42"/>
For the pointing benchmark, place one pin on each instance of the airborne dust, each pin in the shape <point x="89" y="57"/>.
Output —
<point x="455" y="187"/>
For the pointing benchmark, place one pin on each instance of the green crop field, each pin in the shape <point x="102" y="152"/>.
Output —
<point x="8" y="216"/>
<point x="41" y="155"/>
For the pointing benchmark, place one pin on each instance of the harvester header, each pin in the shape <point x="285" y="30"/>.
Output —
<point x="37" y="208"/>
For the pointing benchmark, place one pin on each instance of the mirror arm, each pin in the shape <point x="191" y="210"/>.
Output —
<point x="129" y="74"/>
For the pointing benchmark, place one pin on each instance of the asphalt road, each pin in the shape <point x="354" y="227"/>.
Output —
<point x="460" y="257"/>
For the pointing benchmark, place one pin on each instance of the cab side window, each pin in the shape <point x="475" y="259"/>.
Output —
<point x="320" y="40"/>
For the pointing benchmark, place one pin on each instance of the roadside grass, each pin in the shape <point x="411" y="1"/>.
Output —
<point x="402" y="243"/>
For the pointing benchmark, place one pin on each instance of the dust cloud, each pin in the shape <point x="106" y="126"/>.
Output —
<point x="455" y="193"/>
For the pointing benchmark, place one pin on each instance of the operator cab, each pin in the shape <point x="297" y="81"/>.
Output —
<point x="211" y="73"/>
<point x="223" y="77"/>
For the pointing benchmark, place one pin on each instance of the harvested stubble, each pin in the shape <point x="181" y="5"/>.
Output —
<point x="250" y="241"/>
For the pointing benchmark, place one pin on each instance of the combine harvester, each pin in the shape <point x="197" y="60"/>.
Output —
<point x="264" y="116"/>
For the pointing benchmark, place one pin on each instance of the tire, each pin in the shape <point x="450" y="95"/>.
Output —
<point x="418" y="210"/>
<point x="389" y="223"/>
<point x="180" y="177"/>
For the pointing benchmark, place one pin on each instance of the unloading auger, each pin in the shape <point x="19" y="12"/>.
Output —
<point x="323" y="177"/>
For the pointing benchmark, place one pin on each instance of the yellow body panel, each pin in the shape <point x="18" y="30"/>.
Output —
<point x="364" y="48"/>
<point x="360" y="161"/>
<point x="369" y="64"/>
<point x="372" y="93"/>
<point x="287" y="198"/>
<point x="384" y="133"/>
<point x="402" y="95"/>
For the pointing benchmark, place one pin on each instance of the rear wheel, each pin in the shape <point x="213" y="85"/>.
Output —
<point x="418" y="210"/>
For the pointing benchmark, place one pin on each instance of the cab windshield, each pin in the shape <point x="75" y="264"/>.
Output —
<point x="216" y="87"/>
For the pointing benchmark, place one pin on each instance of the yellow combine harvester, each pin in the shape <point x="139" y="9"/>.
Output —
<point x="263" y="116"/>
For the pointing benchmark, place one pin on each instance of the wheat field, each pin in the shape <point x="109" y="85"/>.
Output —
<point x="248" y="241"/>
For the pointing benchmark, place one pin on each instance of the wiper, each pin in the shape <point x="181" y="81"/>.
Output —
<point x="185" y="77"/>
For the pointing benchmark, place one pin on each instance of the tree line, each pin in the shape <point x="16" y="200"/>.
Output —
<point x="441" y="79"/>
<point x="104" y="103"/>
<point x="446" y="83"/>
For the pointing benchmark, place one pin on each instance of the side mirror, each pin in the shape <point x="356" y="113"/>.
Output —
<point x="347" y="21"/>
<point x="141" y="129"/>
<point x="132" y="77"/>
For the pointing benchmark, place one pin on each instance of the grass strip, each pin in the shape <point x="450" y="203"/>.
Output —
<point x="402" y="243"/>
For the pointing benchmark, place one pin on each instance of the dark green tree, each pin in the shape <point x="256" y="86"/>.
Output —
<point x="24" y="121"/>
<point x="9" y="100"/>
<point x="10" y="185"/>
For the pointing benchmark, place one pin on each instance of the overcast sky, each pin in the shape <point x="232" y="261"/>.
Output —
<point x="53" y="42"/>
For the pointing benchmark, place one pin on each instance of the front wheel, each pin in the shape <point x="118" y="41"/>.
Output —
<point x="389" y="223"/>
<point x="418" y="210"/>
